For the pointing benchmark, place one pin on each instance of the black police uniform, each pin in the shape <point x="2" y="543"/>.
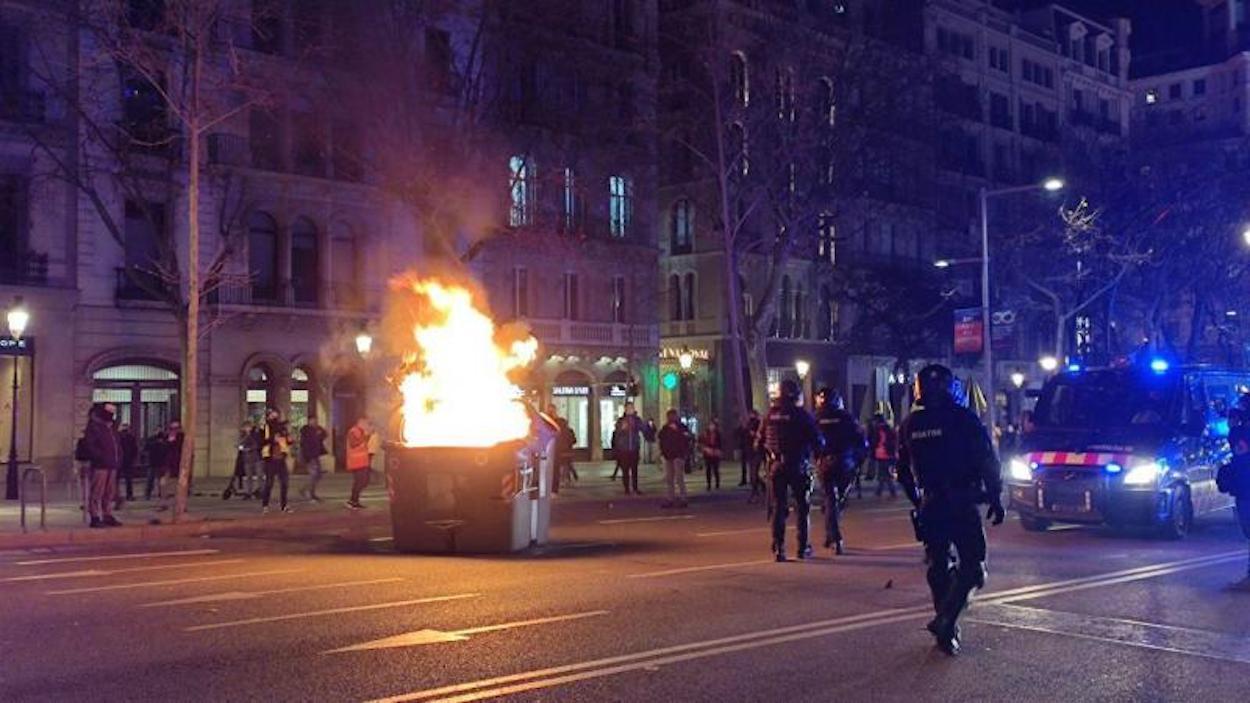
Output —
<point x="844" y="445"/>
<point x="788" y="434"/>
<point x="947" y="466"/>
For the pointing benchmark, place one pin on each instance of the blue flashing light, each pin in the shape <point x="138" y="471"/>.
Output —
<point x="1114" y="468"/>
<point x="1074" y="368"/>
<point x="1159" y="365"/>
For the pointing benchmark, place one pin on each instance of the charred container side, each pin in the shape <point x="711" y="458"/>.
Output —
<point x="448" y="500"/>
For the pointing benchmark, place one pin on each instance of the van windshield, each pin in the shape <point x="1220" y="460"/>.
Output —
<point x="1119" y="398"/>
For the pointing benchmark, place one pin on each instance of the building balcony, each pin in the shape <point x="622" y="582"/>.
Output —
<point x="614" y="335"/>
<point x="134" y="285"/>
<point x="290" y="294"/>
<point x="26" y="269"/>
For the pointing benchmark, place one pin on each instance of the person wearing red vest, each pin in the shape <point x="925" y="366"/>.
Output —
<point x="358" y="459"/>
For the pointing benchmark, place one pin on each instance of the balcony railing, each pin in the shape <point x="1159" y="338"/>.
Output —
<point x="26" y="269"/>
<point x="595" y="334"/>
<point x="288" y="294"/>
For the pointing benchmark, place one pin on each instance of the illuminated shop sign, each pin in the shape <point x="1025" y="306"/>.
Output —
<point x="570" y="390"/>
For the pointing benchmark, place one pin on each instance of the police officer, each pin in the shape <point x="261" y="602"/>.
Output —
<point x="844" y="446"/>
<point x="947" y="466"/>
<point x="788" y="436"/>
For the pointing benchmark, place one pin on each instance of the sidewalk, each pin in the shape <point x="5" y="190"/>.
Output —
<point x="208" y="513"/>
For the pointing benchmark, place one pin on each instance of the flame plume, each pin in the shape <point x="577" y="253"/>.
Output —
<point x="455" y="386"/>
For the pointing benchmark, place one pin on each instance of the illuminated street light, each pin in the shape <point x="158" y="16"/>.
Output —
<point x="1017" y="379"/>
<point x="1048" y="363"/>
<point x="686" y="359"/>
<point x="1053" y="184"/>
<point x="1245" y="236"/>
<point x="802" y="367"/>
<point x="942" y="263"/>
<point x="18" y="318"/>
<point x="364" y="343"/>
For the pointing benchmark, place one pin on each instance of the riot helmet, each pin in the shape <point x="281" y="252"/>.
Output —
<point x="789" y="390"/>
<point x="935" y="384"/>
<point x="826" y="396"/>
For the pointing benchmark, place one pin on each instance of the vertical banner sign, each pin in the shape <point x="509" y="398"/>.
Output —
<point x="969" y="335"/>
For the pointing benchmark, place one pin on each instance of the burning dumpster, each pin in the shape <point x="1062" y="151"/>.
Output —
<point x="466" y="476"/>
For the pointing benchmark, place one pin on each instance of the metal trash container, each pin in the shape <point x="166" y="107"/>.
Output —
<point x="453" y="500"/>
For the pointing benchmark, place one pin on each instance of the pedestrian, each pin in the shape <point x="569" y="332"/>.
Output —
<point x="627" y="441"/>
<point x="130" y="457"/>
<point x="237" y="477"/>
<point x="102" y="451"/>
<point x="171" y="461"/>
<point x="1234" y="478"/>
<point x="649" y="433"/>
<point x="153" y="460"/>
<point x="748" y="432"/>
<point x="674" y="441"/>
<point x="838" y="460"/>
<point x="565" y="441"/>
<point x="884" y="451"/>
<point x="711" y="445"/>
<point x="789" y="437"/>
<point x="253" y="467"/>
<point x="274" y="449"/>
<point x="358" y="460"/>
<point x="312" y="446"/>
<point x="947" y="466"/>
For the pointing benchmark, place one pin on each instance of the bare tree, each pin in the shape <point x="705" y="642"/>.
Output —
<point x="152" y="80"/>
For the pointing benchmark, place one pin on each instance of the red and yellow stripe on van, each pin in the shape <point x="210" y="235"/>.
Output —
<point x="1078" y="458"/>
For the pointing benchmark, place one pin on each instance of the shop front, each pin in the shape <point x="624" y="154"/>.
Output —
<point x="571" y="394"/>
<point x="686" y="385"/>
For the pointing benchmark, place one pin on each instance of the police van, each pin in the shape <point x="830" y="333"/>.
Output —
<point x="1130" y="446"/>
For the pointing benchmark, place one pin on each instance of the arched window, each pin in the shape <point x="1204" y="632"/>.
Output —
<point x="739" y="80"/>
<point x="303" y="400"/>
<point x="739" y="149"/>
<point x="785" y="310"/>
<point x="682" y="227"/>
<point x="674" y="297"/>
<point x="146" y="395"/>
<point x="689" y="297"/>
<point x="262" y="256"/>
<point x="304" y="261"/>
<point x="827" y="106"/>
<point x="259" y="392"/>
<point x="344" y="269"/>
<point x="824" y="322"/>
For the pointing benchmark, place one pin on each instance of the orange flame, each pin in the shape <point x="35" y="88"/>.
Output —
<point x="456" y="391"/>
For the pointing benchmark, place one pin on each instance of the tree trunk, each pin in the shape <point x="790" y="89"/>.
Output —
<point x="757" y="359"/>
<point x="191" y="334"/>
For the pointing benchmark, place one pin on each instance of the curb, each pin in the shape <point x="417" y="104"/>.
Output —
<point x="191" y="528"/>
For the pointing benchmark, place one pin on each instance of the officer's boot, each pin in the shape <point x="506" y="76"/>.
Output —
<point x="779" y="550"/>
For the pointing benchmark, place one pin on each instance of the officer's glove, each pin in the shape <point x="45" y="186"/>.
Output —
<point x="996" y="514"/>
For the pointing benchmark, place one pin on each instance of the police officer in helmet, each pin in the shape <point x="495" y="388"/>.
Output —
<point x="788" y="437"/>
<point x="837" y="463"/>
<point x="947" y="466"/>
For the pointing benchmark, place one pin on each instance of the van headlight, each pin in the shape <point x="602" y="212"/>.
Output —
<point x="1019" y="470"/>
<point x="1145" y="474"/>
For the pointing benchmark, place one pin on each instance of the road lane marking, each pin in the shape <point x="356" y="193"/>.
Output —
<point x="658" y="518"/>
<point x="1164" y="638"/>
<point x="249" y="595"/>
<point x="745" y="531"/>
<point x="111" y="572"/>
<point x="891" y="518"/>
<point x="328" y="611"/>
<point x="1042" y="593"/>
<point x="420" y="637"/>
<point x="112" y="557"/>
<point x="382" y="539"/>
<point x="569" y="673"/>
<point x="900" y="545"/>
<point x="169" y="582"/>
<point x="882" y="510"/>
<point x="705" y="567"/>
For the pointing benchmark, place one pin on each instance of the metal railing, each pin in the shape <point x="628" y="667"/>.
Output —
<point x="43" y="496"/>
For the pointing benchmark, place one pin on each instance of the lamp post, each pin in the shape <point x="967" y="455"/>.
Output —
<point x="1050" y="185"/>
<point x="364" y="343"/>
<point x="18" y="318"/>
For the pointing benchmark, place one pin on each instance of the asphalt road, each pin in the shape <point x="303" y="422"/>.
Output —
<point x="630" y="602"/>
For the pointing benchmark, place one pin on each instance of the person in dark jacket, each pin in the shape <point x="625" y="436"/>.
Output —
<point x="154" y="461"/>
<point x="171" y="460"/>
<point x="312" y="446"/>
<point x="838" y="461"/>
<point x="947" y="466"/>
<point x="674" y="439"/>
<point x="712" y="445"/>
<point x="1239" y="481"/>
<point x="627" y="441"/>
<point x="274" y="449"/>
<point x="789" y="437"/>
<point x="566" y="440"/>
<point x="884" y="452"/>
<point x="104" y="459"/>
<point x="130" y="459"/>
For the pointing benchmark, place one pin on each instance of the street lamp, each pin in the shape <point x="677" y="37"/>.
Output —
<point x="1048" y="363"/>
<point x="364" y="343"/>
<point x="685" y="359"/>
<point x="18" y="318"/>
<point x="802" y="367"/>
<point x="1245" y="236"/>
<point x="1017" y="380"/>
<point x="1050" y="185"/>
